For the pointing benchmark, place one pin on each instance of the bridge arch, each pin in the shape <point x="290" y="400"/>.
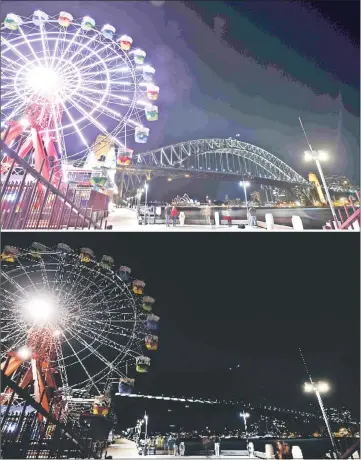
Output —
<point x="227" y="156"/>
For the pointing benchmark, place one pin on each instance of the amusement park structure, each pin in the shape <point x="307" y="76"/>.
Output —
<point x="69" y="92"/>
<point x="71" y="326"/>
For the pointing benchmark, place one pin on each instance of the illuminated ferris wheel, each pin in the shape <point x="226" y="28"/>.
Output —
<point x="69" y="321"/>
<point x="69" y="89"/>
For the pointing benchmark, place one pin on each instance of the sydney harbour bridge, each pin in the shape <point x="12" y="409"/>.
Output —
<point x="225" y="159"/>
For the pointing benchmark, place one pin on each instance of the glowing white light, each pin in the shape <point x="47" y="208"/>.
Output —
<point x="322" y="155"/>
<point x="323" y="387"/>
<point x="24" y="353"/>
<point x="43" y="80"/>
<point x="308" y="156"/>
<point x="40" y="310"/>
<point x="308" y="387"/>
<point x="24" y="122"/>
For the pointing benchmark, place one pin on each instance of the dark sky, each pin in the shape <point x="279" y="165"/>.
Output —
<point x="250" y="67"/>
<point x="228" y="300"/>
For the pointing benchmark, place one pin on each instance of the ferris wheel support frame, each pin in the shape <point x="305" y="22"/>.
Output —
<point x="44" y="149"/>
<point x="40" y="372"/>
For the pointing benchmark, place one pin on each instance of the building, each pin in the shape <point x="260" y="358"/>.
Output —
<point x="340" y="184"/>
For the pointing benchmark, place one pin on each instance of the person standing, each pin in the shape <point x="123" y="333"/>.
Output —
<point x="167" y="215"/>
<point x="228" y="216"/>
<point x="217" y="445"/>
<point x="207" y="213"/>
<point x="250" y="448"/>
<point x="171" y="444"/>
<point x="176" y="446"/>
<point x="182" y="449"/>
<point x="253" y="216"/>
<point x="182" y="217"/>
<point x="174" y="215"/>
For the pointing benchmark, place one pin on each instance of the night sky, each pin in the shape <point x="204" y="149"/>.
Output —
<point x="245" y="300"/>
<point x="249" y="68"/>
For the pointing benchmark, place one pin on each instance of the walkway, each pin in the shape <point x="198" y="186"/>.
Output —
<point x="125" y="220"/>
<point x="127" y="449"/>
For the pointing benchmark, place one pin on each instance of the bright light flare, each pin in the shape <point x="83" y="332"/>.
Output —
<point x="24" y="353"/>
<point x="323" y="387"/>
<point x="322" y="155"/>
<point x="244" y="414"/>
<point x="308" y="156"/>
<point x="43" y="80"/>
<point x="245" y="184"/>
<point x="308" y="387"/>
<point x="40" y="310"/>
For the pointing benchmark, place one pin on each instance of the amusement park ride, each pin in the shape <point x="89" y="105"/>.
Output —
<point x="71" y="326"/>
<point x="71" y="92"/>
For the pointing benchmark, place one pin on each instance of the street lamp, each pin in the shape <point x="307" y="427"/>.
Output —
<point x="318" y="156"/>
<point x="318" y="388"/>
<point x="146" y="185"/>
<point x="245" y="185"/>
<point x="245" y="416"/>
<point x="146" y="432"/>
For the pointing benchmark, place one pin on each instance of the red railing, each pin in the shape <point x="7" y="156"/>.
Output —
<point x="349" y="221"/>
<point x="36" y="203"/>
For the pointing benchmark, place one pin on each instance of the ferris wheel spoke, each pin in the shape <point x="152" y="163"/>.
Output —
<point x="58" y="131"/>
<point x="71" y="42"/>
<point x="106" y="341"/>
<point x="96" y="123"/>
<point x="45" y="45"/>
<point x="27" y="275"/>
<point x="29" y="46"/>
<point x="91" y="52"/>
<point x="13" y="282"/>
<point x="106" y="110"/>
<point x="110" y="329"/>
<point x="15" y="51"/>
<point x="99" y="355"/>
<point x="82" y="365"/>
<point x="61" y="364"/>
<point x="82" y="138"/>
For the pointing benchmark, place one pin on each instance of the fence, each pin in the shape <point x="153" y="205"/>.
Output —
<point x="347" y="221"/>
<point x="35" y="203"/>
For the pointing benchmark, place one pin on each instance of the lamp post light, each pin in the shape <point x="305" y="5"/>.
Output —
<point x="245" y="184"/>
<point x="318" y="156"/>
<point x="145" y="434"/>
<point x="139" y="196"/>
<point x="245" y="416"/>
<point x="146" y="185"/>
<point x="318" y="388"/>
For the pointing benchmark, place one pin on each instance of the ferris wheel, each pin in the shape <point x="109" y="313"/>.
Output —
<point x="70" y="322"/>
<point x="70" y="89"/>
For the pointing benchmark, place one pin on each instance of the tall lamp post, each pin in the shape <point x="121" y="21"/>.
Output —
<point x="146" y="433"/>
<point x="245" y="184"/>
<point x="139" y="196"/>
<point x="146" y="185"/>
<point x="245" y="416"/>
<point x="318" y="388"/>
<point x="318" y="156"/>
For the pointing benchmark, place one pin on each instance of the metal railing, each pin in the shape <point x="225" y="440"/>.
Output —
<point x="36" y="203"/>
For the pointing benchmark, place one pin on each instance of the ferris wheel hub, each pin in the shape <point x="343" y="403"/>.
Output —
<point x="45" y="81"/>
